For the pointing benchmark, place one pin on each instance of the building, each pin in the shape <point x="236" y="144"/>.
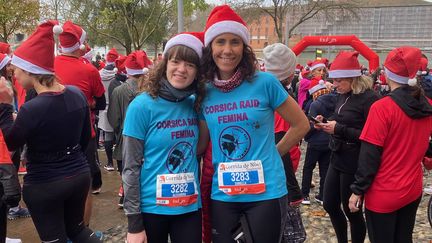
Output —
<point x="382" y="25"/>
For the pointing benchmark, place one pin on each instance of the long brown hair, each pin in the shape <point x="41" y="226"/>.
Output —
<point x="183" y="53"/>
<point x="247" y="64"/>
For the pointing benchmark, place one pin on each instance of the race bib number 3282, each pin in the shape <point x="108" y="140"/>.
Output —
<point x="175" y="190"/>
<point x="237" y="178"/>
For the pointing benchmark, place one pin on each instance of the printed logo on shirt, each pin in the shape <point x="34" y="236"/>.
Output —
<point x="234" y="142"/>
<point x="179" y="155"/>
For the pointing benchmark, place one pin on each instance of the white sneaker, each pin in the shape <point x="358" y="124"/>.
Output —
<point x="428" y="190"/>
<point x="306" y="201"/>
<point x="9" y="240"/>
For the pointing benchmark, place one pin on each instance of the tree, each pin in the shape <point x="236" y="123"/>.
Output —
<point x="17" y="16"/>
<point x="302" y="10"/>
<point x="130" y="23"/>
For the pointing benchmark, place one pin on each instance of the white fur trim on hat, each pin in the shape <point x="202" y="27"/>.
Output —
<point x="345" y="73"/>
<point x="83" y="36"/>
<point x="70" y="49"/>
<point x="130" y="71"/>
<point x="4" y="62"/>
<point x="317" y="87"/>
<point x="185" y="40"/>
<point x="412" y="82"/>
<point x="397" y="78"/>
<point x="317" y="66"/>
<point x="57" y="29"/>
<point x="28" y="66"/>
<point x="226" y="26"/>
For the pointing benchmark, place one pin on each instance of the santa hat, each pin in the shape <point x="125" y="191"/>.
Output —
<point x="4" y="60"/>
<point x="315" y="64"/>
<point x="72" y="38"/>
<point x="316" y="84"/>
<point x="111" y="56"/>
<point x="137" y="63"/>
<point x="4" y="48"/>
<point x="120" y="64"/>
<point x="402" y="64"/>
<point x="299" y="68"/>
<point x="345" y="65"/>
<point x="223" y="19"/>
<point x="36" y="54"/>
<point x="88" y="53"/>
<point x="193" y="40"/>
<point x="279" y="60"/>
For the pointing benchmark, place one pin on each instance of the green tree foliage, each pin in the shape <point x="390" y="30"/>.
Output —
<point x="17" y="16"/>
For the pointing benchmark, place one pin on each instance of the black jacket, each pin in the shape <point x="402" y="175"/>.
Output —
<point x="324" y="106"/>
<point x="350" y="114"/>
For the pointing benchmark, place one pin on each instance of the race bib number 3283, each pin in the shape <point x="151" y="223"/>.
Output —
<point x="174" y="190"/>
<point x="237" y="178"/>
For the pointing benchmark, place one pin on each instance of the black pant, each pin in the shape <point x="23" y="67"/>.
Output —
<point x="293" y="187"/>
<point x="183" y="228"/>
<point x="266" y="219"/>
<point x="336" y="191"/>
<point x="95" y="172"/>
<point x="395" y="227"/>
<point x="315" y="153"/>
<point x="3" y="217"/>
<point x="57" y="209"/>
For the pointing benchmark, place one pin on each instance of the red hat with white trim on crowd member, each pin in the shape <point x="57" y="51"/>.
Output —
<point x="317" y="87"/>
<point x="72" y="38"/>
<point x="111" y="56"/>
<point x="345" y="65"/>
<point x="315" y="64"/>
<point x="36" y="54"/>
<point x="4" y="60"/>
<point x="5" y="48"/>
<point x="299" y="68"/>
<point x="88" y="53"/>
<point x="136" y="63"/>
<point x="402" y="64"/>
<point x="193" y="40"/>
<point x="120" y="64"/>
<point x="223" y="19"/>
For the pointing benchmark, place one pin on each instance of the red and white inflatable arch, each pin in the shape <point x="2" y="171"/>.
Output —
<point x="342" y="40"/>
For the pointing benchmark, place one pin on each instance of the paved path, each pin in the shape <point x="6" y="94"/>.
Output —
<point x="108" y="218"/>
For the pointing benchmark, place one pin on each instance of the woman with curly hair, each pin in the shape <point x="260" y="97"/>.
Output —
<point x="160" y="174"/>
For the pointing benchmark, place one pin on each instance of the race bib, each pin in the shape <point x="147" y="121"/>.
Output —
<point x="237" y="178"/>
<point x="174" y="190"/>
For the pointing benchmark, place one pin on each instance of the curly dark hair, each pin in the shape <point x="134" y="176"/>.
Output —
<point x="151" y="84"/>
<point x="248" y="63"/>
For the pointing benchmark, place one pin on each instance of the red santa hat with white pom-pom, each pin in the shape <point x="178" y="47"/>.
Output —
<point x="345" y="65"/>
<point x="317" y="83"/>
<point x="137" y="63"/>
<point x="72" y="38"/>
<point x="36" y="54"/>
<point x="402" y="64"/>
<point x="193" y="40"/>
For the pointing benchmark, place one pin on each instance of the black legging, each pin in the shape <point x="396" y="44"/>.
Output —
<point x="3" y="217"/>
<point x="294" y="193"/>
<point x="336" y="191"/>
<point x="265" y="219"/>
<point x="57" y="209"/>
<point x="95" y="172"/>
<point x="395" y="227"/>
<point x="183" y="228"/>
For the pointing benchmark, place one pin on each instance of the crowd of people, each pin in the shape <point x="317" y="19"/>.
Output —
<point x="207" y="141"/>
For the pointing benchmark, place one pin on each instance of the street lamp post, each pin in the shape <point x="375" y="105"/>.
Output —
<point x="180" y="16"/>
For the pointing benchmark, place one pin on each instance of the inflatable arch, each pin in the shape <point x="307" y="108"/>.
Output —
<point x="350" y="40"/>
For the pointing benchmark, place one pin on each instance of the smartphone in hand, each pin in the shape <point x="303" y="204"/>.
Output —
<point x="316" y="121"/>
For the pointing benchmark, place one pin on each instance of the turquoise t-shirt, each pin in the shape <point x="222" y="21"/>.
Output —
<point x="247" y="164"/>
<point x="169" y="175"/>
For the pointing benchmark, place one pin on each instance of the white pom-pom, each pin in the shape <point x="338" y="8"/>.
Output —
<point x="145" y="70"/>
<point x="82" y="47"/>
<point x="321" y="82"/>
<point x="115" y="70"/>
<point x="57" y="29"/>
<point x="412" y="82"/>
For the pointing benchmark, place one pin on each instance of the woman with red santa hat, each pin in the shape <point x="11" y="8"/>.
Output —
<point x="56" y="128"/>
<point x="393" y="142"/>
